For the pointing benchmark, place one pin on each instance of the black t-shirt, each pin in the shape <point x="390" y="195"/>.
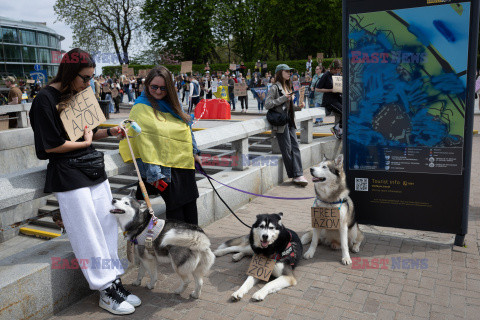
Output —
<point x="48" y="134"/>
<point x="326" y="82"/>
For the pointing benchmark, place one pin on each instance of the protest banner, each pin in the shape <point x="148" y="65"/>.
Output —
<point x="186" y="66"/>
<point x="233" y="66"/>
<point x="106" y="88"/>
<point x="240" y="89"/>
<point x="142" y="73"/>
<point x="326" y="218"/>
<point x="131" y="72"/>
<point x="261" y="267"/>
<point x="222" y="93"/>
<point x="259" y="93"/>
<point x="214" y="86"/>
<point x="82" y="110"/>
<point x="337" y="84"/>
<point x="125" y="69"/>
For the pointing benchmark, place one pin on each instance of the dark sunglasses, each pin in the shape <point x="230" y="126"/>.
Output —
<point x="86" y="79"/>
<point x="155" y="88"/>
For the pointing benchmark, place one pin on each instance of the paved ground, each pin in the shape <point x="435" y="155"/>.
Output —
<point x="448" y="289"/>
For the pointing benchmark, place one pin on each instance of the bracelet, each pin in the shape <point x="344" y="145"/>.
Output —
<point x="108" y="132"/>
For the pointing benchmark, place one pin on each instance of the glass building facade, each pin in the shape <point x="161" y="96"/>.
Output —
<point x="24" y="44"/>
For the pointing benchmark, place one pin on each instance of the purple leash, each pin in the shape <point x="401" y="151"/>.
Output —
<point x="202" y="171"/>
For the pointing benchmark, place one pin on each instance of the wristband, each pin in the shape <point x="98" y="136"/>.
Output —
<point x="108" y="132"/>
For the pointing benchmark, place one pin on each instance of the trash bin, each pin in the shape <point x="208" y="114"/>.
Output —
<point x="104" y="105"/>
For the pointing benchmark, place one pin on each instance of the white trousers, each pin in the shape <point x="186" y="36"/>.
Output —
<point x="93" y="232"/>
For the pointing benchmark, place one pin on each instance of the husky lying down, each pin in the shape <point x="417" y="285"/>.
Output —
<point x="270" y="238"/>
<point x="184" y="245"/>
<point x="331" y="191"/>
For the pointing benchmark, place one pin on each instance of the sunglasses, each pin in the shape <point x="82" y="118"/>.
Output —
<point x="86" y="79"/>
<point x="155" y="88"/>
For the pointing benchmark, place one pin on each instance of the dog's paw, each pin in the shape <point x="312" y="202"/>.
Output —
<point x="356" y="248"/>
<point x="346" y="261"/>
<point x="150" y="285"/>
<point x="237" y="295"/>
<point x="180" y="289"/>
<point x="309" y="254"/>
<point x="259" y="296"/>
<point x="137" y="282"/>
<point x="237" y="256"/>
<point x="194" y="295"/>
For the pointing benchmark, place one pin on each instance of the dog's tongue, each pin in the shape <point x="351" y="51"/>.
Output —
<point x="264" y="244"/>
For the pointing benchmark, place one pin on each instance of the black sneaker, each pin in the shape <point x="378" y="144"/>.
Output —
<point x="125" y="294"/>
<point x="111" y="301"/>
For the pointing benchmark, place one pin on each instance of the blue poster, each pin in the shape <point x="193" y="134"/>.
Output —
<point x="40" y="75"/>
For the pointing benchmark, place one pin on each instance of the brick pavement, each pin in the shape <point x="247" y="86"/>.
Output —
<point x="448" y="289"/>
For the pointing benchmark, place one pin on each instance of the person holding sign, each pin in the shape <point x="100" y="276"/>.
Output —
<point x="83" y="194"/>
<point x="280" y="98"/>
<point x="332" y="101"/>
<point x="166" y="150"/>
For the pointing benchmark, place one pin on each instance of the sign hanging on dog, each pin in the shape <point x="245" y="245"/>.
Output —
<point x="261" y="267"/>
<point x="82" y="110"/>
<point x="326" y="218"/>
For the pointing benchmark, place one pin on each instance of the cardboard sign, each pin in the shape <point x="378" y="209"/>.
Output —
<point x="125" y="69"/>
<point x="82" y="110"/>
<point x="224" y="82"/>
<point x="337" y="84"/>
<point x="233" y="66"/>
<point x="142" y="73"/>
<point x="106" y="88"/>
<point x="240" y="89"/>
<point x="319" y="57"/>
<point x="214" y="86"/>
<point x="186" y="66"/>
<point x="30" y="81"/>
<point x="261" y="267"/>
<point x="301" y="95"/>
<point x="296" y="85"/>
<point x="114" y="93"/>
<point x="264" y="66"/>
<point x="326" y="218"/>
<point x="309" y="57"/>
<point x="130" y="72"/>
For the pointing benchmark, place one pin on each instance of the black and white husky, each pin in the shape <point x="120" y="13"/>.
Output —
<point x="184" y="245"/>
<point x="270" y="238"/>
<point x="331" y="191"/>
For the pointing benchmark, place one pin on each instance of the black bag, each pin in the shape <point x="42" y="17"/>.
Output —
<point x="276" y="118"/>
<point x="91" y="164"/>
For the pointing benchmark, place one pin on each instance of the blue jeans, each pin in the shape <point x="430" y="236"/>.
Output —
<point x="260" y="105"/>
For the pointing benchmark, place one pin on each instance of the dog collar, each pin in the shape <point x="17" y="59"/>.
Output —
<point x="336" y="202"/>
<point x="288" y="252"/>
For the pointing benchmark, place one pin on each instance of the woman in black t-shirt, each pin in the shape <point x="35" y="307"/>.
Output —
<point x="332" y="101"/>
<point x="84" y="198"/>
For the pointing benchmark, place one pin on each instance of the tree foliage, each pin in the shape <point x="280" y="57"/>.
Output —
<point x="102" y="24"/>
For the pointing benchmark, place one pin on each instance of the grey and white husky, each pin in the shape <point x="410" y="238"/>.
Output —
<point x="270" y="238"/>
<point x="331" y="191"/>
<point x="184" y="245"/>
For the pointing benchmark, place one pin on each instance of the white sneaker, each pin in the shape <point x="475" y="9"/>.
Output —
<point x="111" y="301"/>
<point x="300" y="181"/>
<point x="125" y="294"/>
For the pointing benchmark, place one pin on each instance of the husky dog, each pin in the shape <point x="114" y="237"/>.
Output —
<point x="331" y="191"/>
<point x="270" y="238"/>
<point x="184" y="245"/>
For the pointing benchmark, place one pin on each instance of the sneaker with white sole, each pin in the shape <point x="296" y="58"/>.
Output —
<point x="125" y="294"/>
<point x="300" y="181"/>
<point x="111" y="301"/>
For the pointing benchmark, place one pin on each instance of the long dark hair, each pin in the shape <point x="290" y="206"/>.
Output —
<point x="285" y="83"/>
<point x="72" y="63"/>
<point x="171" y="97"/>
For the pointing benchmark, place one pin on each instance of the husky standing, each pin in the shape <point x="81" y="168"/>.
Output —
<point x="184" y="245"/>
<point x="331" y="191"/>
<point x="270" y="238"/>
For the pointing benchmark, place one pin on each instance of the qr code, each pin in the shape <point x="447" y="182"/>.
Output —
<point x="361" y="184"/>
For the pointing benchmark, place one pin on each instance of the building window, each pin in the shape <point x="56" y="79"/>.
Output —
<point x="43" y="56"/>
<point x="29" y="54"/>
<point x="53" y="42"/>
<point x="42" y="39"/>
<point x="9" y="35"/>
<point x="28" y="37"/>
<point x="12" y="53"/>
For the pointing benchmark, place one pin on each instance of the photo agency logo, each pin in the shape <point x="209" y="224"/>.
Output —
<point x="395" y="263"/>
<point x="93" y="263"/>
<point x="98" y="57"/>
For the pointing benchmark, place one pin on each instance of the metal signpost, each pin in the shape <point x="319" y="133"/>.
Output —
<point x="409" y="76"/>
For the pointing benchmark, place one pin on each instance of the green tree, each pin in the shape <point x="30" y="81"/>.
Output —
<point x="181" y="26"/>
<point x="102" y="24"/>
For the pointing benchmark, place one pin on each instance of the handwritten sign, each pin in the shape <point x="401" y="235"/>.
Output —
<point x="319" y="57"/>
<point x="264" y="66"/>
<point x="130" y="72"/>
<point x="296" y="85"/>
<point x="233" y="66"/>
<point x="31" y="81"/>
<point x="224" y="82"/>
<point x="261" y="267"/>
<point x="114" y="93"/>
<point x="125" y="69"/>
<point x="301" y="95"/>
<point x="186" y="66"/>
<point x="214" y="86"/>
<point x="337" y="84"/>
<point x="106" y="87"/>
<point x="142" y="73"/>
<point x="82" y="110"/>
<point x="326" y="218"/>
<point x="240" y="89"/>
